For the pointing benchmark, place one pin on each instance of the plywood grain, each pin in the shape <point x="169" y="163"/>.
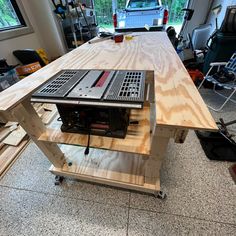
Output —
<point x="178" y="102"/>
<point x="106" y="167"/>
<point x="137" y="140"/>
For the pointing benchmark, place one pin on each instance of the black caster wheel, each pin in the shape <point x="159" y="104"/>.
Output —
<point x="58" y="179"/>
<point x="160" y="195"/>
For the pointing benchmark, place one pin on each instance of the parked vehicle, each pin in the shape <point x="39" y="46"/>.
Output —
<point x="141" y="14"/>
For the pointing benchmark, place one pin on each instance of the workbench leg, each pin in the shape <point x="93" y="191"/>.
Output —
<point x="27" y="117"/>
<point x="152" y="117"/>
<point x="180" y="136"/>
<point x="153" y="165"/>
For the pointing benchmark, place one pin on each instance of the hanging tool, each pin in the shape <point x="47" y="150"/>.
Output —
<point x="74" y="5"/>
<point x="60" y="9"/>
<point x="71" y="23"/>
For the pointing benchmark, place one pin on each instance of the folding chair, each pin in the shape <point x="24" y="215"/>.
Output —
<point x="230" y="67"/>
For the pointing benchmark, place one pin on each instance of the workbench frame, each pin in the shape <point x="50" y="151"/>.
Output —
<point x="27" y="117"/>
<point x="143" y="173"/>
<point x="135" y="162"/>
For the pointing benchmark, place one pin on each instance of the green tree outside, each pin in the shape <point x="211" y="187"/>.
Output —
<point x="7" y="14"/>
<point x="175" y="10"/>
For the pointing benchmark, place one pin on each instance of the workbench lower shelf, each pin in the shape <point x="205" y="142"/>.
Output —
<point x="137" y="140"/>
<point x="117" y="169"/>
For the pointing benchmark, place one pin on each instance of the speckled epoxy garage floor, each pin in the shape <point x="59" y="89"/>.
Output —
<point x="201" y="197"/>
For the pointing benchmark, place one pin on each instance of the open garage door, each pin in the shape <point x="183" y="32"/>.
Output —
<point x="107" y="10"/>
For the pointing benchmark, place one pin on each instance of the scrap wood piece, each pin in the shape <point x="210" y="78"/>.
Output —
<point x="40" y="111"/>
<point x="49" y="107"/>
<point x="9" y="155"/>
<point x="4" y="132"/>
<point x="48" y="116"/>
<point x="10" y="123"/>
<point x="46" y="112"/>
<point x="15" y="137"/>
<point x="37" y="105"/>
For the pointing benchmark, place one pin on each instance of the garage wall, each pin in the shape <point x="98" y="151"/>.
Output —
<point x="200" y="12"/>
<point x="48" y="29"/>
<point x="46" y="32"/>
<point x="26" y="41"/>
<point x="221" y="15"/>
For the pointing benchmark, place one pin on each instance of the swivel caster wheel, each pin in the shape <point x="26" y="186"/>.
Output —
<point x="58" y="179"/>
<point x="160" y="195"/>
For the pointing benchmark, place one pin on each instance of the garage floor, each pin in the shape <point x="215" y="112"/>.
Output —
<point x="201" y="198"/>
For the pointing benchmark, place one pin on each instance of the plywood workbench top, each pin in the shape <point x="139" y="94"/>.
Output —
<point x="178" y="102"/>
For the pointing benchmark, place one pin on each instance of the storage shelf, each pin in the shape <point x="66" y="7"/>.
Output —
<point x="137" y="140"/>
<point x="106" y="167"/>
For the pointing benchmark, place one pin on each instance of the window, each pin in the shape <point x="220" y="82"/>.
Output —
<point x="10" y="15"/>
<point x="13" y="20"/>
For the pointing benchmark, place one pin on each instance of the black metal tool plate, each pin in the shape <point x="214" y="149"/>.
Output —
<point x="119" y="89"/>
<point x="60" y="84"/>
<point x="127" y="86"/>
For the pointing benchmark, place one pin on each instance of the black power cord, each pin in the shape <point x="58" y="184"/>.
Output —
<point x="86" y="152"/>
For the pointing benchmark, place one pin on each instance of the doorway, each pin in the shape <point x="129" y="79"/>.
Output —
<point x="176" y="15"/>
<point x="103" y="9"/>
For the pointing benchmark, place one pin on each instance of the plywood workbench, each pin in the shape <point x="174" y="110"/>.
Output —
<point x="133" y="162"/>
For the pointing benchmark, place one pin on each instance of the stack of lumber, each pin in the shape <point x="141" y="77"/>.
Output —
<point x="12" y="141"/>
<point x="13" y="138"/>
